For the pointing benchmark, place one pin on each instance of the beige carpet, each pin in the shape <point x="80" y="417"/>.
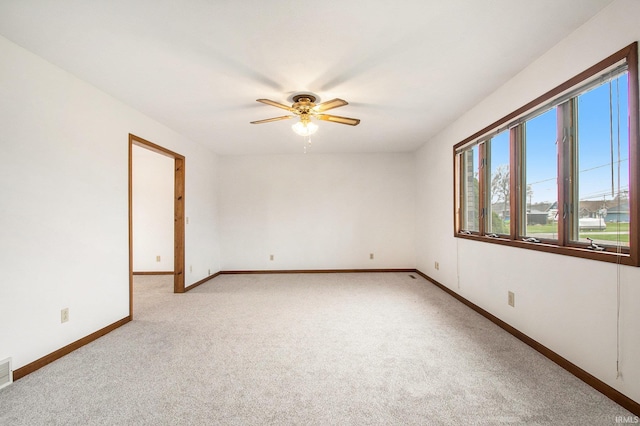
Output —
<point x="304" y="349"/>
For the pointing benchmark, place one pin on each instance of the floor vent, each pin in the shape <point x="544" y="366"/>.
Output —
<point x="6" y="375"/>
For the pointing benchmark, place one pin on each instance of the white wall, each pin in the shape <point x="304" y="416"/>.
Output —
<point x="567" y="304"/>
<point x="153" y="211"/>
<point x="63" y="216"/>
<point x="317" y="211"/>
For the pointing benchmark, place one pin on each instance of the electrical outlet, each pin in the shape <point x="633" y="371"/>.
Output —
<point x="187" y="218"/>
<point x="371" y="256"/>
<point x="157" y="258"/>
<point x="436" y="265"/>
<point x="190" y="268"/>
<point x="512" y="299"/>
<point x="209" y="271"/>
<point x="64" y="315"/>
<point x="270" y="257"/>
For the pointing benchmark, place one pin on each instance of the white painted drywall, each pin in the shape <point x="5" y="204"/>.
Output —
<point x="64" y="215"/>
<point x="317" y="211"/>
<point x="153" y="210"/>
<point x="567" y="304"/>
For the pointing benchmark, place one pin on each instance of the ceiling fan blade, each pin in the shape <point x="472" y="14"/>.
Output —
<point x="338" y="119"/>
<point x="334" y="103"/>
<point x="269" y="120"/>
<point x="275" y="104"/>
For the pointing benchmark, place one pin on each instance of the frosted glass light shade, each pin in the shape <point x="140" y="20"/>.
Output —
<point x="305" y="128"/>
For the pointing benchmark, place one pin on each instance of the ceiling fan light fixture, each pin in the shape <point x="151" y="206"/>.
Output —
<point x="305" y="128"/>
<point x="304" y="106"/>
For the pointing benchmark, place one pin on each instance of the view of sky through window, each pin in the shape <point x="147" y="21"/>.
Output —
<point x="602" y="123"/>
<point x="555" y="175"/>
<point x="602" y="207"/>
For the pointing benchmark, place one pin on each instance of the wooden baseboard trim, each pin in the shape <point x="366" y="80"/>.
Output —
<point x="153" y="273"/>
<point x="202" y="281"/>
<point x="53" y="356"/>
<point x="312" y="271"/>
<point x="589" y="379"/>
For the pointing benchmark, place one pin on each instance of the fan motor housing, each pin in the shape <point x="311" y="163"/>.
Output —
<point x="301" y="96"/>
<point x="303" y="103"/>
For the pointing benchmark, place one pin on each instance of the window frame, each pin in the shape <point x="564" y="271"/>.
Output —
<point x="563" y="245"/>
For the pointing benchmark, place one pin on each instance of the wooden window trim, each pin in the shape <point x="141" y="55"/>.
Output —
<point x="483" y="187"/>
<point x="634" y="159"/>
<point x="564" y="246"/>
<point x="514" y="174"/>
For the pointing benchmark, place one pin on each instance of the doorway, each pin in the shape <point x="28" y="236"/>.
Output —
<point x="178" y="213"/>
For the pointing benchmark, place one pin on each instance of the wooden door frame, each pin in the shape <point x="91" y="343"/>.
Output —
<point x="178" y="210"/>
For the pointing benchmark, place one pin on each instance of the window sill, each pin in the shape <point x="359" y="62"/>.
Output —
<point x="585" y="253"/>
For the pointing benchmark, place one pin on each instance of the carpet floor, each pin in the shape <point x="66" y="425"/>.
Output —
<point x="303" y="349"/>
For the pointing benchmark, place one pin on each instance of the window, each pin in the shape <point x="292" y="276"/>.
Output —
<point x="558" y="174"/>
<point x="601" y="208"/>
<point x="541" y="175"/>
<point x="499" y="205"/>
<point x="470" y="190"/>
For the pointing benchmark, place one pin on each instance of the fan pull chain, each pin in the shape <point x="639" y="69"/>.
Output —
<point x="307" y="145"/>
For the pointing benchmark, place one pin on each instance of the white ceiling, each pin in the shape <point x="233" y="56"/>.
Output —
<point x="408" y="68"/>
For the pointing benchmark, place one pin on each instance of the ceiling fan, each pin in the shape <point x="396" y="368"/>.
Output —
<point x="304" y="107"/>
